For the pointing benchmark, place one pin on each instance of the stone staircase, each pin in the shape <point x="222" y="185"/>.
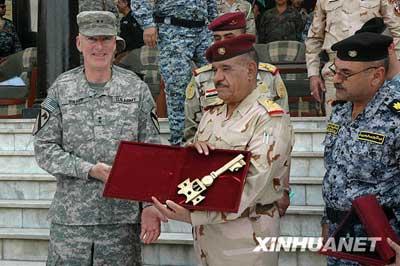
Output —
<point x="26" y="192"/>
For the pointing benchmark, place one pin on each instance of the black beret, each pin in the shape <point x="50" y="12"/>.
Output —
<point x="373" y="25"/>
<point x="363" y="47"/>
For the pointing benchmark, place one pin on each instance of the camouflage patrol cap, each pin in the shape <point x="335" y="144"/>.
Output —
<point x="97" y="23"/>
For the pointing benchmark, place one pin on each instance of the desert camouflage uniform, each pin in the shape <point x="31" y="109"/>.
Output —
<point x="362" y="156"/>
<point x="201" y="93"/>
<point x="336" y="20"/>
<point x="260" y="126"/>
<point x="9" y="41"/>
<point x="85" y="126"/>
<point x="242" y="6"/>
<point x="178" y="47"/>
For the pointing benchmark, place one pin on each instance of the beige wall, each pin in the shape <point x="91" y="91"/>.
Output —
<point x="9" y="9"/>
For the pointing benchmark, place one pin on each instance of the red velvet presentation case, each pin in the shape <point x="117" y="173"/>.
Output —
<point x="143" y="170"/>
<point x="367" y="211"/>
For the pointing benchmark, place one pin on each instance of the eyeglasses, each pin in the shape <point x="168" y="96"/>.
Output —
<point x="344" y="76"/>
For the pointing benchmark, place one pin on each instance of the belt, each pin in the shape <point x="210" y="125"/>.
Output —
<point x="337" y="216"/>
<point x="180" y="22"/>
<point x="259" y="209"/>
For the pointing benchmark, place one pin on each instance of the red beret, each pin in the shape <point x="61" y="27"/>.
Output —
<point x="229" y="48"/>
<point x="228" y="21"/>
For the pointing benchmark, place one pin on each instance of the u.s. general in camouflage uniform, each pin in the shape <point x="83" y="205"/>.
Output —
<point x="179" y="45"/>
<point x="80" y="125"/>
<point x="362" y="152"/>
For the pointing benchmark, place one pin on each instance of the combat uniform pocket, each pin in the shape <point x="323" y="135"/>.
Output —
<point x="332" y="15"/>
<point x="369" y="9"/>
<point x="77" y="120"/>
<point x="234" y="140"/>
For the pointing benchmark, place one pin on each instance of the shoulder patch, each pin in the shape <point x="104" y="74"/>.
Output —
<point x="395" y="106"/>
<point x="268" y="67"/>
<point x="46" y="108"/>
<point x="190" y="89"/>
<point x="202" y="69"/>
<point x="272" y="107"/>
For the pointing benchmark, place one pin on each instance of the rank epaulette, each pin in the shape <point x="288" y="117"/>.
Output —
<point x="395" y="106"/>
<point x="268" y="67"/>
<point x="202" y="69"/>
<point x="272" y="107"/>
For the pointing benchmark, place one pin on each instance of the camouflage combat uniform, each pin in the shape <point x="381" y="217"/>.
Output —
<point x="287" y="26"/>
<point x="201" y="93"/>
<point x="85" y="126"/>
<point x="242" y="6"/>
<point x="100" y="5"/>
<point x="362" y="156"/>
<point x="9" y="41"/>
<point x="336" y="20"/>
<point x="178" y="47"/>
<point x="260" y="126"/>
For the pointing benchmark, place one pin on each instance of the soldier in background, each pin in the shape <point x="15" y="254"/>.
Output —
<point x="334" y="21"/>
<point x="9" y="41"/>
<point x="130" y="30"/>
<point x="201" y="93"/>
<point x="180" y="28"/>
<point x="87" y="112"/>
<point x="230" y="6"/>
<point x="362" y="150"/>
<point x="246" y="121"/>
<point x="281" y="23"/>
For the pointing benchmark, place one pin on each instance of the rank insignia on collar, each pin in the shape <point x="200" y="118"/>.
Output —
<point x="395" y="106"/>
<point x="332" y="128"/>
<point x="371" y="137"/>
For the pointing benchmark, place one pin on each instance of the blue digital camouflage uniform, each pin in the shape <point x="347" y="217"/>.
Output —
<point x="9" y="41"/>
<point x="362" y="156"/>
<point x="84" y="126"/>
<point x="178" y="47"/>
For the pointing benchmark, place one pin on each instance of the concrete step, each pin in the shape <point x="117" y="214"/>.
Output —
<point x="304" y="164"/>
<point x="27" y="186"/>
<point x="32" y="214"/>
<point x="21" y="263"/>
<point x="307" y="190"/>
<point x="309" y="135"/>
<point x="21" y="245"/>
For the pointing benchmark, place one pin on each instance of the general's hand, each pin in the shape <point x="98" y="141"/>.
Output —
<point x="283" y="203"/>
<point x="100" y="171"/>
<point x="150" y="221"/>
<point x="317" y="87"/>
<point x="396" y="248"/>
<point x="202" y="147"/>
<point x="150" y="36"/>
<point x="175" y="211"/>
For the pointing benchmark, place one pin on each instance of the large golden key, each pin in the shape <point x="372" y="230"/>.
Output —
<point x="192" y="190"/>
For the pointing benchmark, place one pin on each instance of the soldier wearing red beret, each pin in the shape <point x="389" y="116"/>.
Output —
<point x="246" y="120"/>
